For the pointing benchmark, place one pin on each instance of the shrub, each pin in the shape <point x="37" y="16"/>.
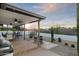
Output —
<point x="35" y="37"/>
<point x="72" y="45"/>
<point x="31" y="35"/>
<point x="66" y="44"/>
<point x="41" y="39"/>
<point x="59" y="39"/>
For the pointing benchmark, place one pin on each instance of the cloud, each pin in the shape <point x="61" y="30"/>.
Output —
<point x="67" y="22"/>
<point x="64" y="22"/>
<point x="45" y="8"/>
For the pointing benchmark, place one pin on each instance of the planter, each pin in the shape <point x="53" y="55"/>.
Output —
<point x="59" y="39"/>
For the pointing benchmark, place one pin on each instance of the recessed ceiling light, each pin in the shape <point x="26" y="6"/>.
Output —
<point x="15" y="21"/>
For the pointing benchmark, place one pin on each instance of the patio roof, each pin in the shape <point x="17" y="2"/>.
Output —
<point x="9" y="13"/>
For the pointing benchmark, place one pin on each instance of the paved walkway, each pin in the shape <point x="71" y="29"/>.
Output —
<point x="48" y="45"/>
<point x="64" y="50"/>
<point x="61" y="49"/>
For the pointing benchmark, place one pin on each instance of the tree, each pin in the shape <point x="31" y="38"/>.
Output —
<point x="52" y="34"/>
<point x="78" y="29"/>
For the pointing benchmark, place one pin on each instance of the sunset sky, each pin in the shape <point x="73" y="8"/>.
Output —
<point x="63" y="15"/>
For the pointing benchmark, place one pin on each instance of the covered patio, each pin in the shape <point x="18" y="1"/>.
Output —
<point x="16" y="17"/>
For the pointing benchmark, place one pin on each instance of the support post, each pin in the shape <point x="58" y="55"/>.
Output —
<point x="24" y="31"/>
<point x="39" y="33"/>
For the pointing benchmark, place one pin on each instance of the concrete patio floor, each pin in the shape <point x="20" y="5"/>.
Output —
<point x="40" y="52"/>
<point x="29" y="48"/>
<point x="21" y="46"/>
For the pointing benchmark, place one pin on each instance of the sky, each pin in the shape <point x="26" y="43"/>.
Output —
<point x="57" y="14"/>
